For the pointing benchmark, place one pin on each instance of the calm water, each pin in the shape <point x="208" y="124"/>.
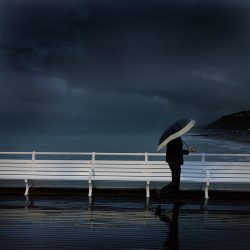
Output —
<point x="123" y="223"/>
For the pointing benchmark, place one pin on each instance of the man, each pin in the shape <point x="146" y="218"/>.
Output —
<point x="174" y="158"/>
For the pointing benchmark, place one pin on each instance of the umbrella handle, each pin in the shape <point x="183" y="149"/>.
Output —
<point x="192" y="148"/>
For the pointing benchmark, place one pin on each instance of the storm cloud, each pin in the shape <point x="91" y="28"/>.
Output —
<point x="129" y="64"/>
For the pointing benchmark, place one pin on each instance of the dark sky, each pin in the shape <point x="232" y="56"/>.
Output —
<point x="122" y="64"/>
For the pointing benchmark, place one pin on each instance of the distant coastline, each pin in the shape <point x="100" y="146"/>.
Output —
<point x="233" y="127"/>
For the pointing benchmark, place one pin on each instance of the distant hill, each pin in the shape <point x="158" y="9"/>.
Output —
<point x="239" y="121"/>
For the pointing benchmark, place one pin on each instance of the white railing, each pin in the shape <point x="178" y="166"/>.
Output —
<point x="206" y="168"/>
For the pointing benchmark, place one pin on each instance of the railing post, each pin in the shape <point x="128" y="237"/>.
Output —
<point x="90" y="175"/>
<point x="93" y="156"/>
<point x="207" y="185"/>
<point x="147" y="190"/>
<point x="90" y="188"/>
<point x="26" y="187"/>
<point x="147" y="184"/>
<point x="33" y="156"/>
<point x="203" y="159"/>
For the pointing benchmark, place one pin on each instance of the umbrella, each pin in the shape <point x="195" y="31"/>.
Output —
<point x="176" y="130"/>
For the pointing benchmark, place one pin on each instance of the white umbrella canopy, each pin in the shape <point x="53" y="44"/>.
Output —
<point x="174" y="131"/>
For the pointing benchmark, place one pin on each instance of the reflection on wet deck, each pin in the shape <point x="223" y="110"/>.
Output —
<point x="123" y="223"/>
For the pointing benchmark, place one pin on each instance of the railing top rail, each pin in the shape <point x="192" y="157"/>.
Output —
<point x="74" y="153"/>
<point x="16" y="153"/>
<point x="115" y="154"/>
<point x="214" y="154"/>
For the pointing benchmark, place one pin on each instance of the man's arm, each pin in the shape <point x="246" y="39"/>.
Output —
<point x="188" y="151"/>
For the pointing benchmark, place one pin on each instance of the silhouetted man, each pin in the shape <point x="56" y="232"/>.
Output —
<point x="174" y="158"/>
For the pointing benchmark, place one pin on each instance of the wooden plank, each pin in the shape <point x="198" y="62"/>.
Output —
<point x="59" y="177"/>
<point x="45" y="169"/>
<point x="19" y="161"/>
<point x="47" y="165"/>
<point x="44" y="161"/>
<point x="229" y="171"/>
<point x="229" y="168"/>
<point x="62" y="161"/>
<point x="62" y="168"/>
<point x="135" y="174"/>
<point x="14" y="177"/>
<point x="15" y="169"/>
<point x="130" y="170"/>
<point x="120" y="166"/>
<point x="23" y="165"/>
<point x="30" y="173"/>
<point x="229" y="180"/>
<point x="227" y="175"/>
<point x="130" y="167"/>
<point x="112" y="162"/>
<point x="119" y="178"/>
<point x="228" y="163"/>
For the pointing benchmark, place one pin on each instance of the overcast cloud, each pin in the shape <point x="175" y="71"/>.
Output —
<point x="122" y="64"/>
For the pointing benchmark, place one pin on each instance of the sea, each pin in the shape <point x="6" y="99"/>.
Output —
<point x="111" y="141"/>
<point x="119" y="222"/>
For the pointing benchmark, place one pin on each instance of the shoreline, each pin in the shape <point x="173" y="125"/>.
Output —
<point x="230" y="137"/>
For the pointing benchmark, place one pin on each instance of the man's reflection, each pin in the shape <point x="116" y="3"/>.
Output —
<point x="172" y="241"/>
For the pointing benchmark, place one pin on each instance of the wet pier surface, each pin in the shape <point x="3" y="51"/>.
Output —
<point x="122" y="223"/>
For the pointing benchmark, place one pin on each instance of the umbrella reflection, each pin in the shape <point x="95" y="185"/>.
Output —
<point x="172" y="240"/>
